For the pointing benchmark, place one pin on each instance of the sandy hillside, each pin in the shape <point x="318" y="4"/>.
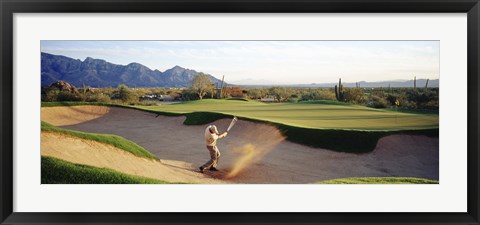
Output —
<point x="71" y="115"/>
<point x="263" y="162"/>
<point x="101" y="155"/>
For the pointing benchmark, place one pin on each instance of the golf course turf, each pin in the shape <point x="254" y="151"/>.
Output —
<point x="331" y="125"/>
<point x="56" y="171"/>
<point x="316" y="115"/>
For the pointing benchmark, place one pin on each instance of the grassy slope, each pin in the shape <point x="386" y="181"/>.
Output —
<point x="321" y="124"/>
<point x="352" y="141"/>
<point x="379" y="180"/>
<point x="316" y="115"/>
<point x="113" y="140"/>
<point x="56" y="171"/>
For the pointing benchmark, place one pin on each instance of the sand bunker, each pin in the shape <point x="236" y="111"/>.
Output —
<point x="245" y="148"/>
<point x="101" y="155"/>
<point x="62" y="116"/>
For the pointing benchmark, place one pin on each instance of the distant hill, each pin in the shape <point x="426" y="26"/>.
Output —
<point x="363" y="84"/>
<point x="100" y="73"/>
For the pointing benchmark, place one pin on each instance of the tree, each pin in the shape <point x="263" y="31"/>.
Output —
<point x="318" y="94"/>
<point x="125" y="94"/>
<point x="201" y="84"/>
<point x="376" y="101"/>
<point x="188" y="95"/>
<point x="422" y="96"/>
<point x="280" y="93"/>
<point x="353" y="95"/>
<point x="256" y="93"/>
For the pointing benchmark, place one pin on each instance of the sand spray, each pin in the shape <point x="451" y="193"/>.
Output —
<point x="261" y="141"/>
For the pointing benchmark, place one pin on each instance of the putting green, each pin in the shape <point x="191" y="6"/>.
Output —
<point x="322" y="114"/>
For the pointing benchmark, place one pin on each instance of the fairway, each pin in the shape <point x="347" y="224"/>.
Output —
<point x="322" y="114"/>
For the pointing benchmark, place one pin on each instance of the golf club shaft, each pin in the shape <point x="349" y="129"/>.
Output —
<point x="234" y="120"/>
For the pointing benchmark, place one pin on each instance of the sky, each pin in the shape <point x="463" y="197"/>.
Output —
<point x="270" y="62"/>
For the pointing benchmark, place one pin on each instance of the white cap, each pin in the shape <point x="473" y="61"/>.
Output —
<point x="213" y="129"/>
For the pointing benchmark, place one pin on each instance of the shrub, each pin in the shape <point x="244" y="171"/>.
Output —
<point x="422" y="97"/>
<point x="377" y="102"/>
<point x="391" y="98"/>
<point x="432" y="105"/>
<point x="280" y="93"/>
<point x="318" y="94"/>
<point x="189" y="95"/>
<point x="353" y="95"/>
<point x="65" y="96"/>
<point x="51" y="95"/>
<point x="124" y="94"/>
<point x="257" y="93"/>
<point x="98" y="97"/>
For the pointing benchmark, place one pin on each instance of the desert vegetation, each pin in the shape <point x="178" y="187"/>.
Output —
<point x="419" y="99"/>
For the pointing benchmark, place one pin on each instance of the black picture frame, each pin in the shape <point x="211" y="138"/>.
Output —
<point x="9" y="7"/>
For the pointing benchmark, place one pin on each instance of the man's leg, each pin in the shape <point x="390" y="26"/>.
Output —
<point x="217" y="154"/>
<point x="213" y="157"/>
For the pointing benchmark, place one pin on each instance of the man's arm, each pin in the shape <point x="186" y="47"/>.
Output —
<point x="222" y="135"/>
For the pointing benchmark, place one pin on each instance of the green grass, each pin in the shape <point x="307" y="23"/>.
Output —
<point x="379" y="180"/>
<point x="113" y="140"/>
<point x="417" y="111"/>
<point x="325" y="102"/>
<point x="239" y="99"/>
<point x="316" y="115"/>
<point x="56" y="171"/>
<point x="352" y="141"/>
<point x="310" y="114"/>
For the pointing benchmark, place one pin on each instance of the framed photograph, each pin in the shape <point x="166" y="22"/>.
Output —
<point x="231" y="112"/>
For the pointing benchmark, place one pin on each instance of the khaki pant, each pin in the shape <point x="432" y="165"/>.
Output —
<point x="214" y="155"/>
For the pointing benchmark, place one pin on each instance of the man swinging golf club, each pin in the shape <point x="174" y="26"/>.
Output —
<point x="211" y="137"/>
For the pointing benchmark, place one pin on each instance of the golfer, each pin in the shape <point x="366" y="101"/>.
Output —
<point x="211" y="137"/>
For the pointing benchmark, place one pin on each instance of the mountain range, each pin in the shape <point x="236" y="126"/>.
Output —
<point x="250" y="83"/>
<point x="100" y="73"/>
